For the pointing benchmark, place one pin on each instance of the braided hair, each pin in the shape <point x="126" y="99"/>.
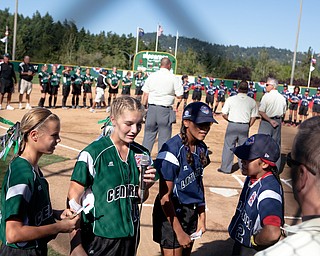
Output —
<point x="203" y="157"/>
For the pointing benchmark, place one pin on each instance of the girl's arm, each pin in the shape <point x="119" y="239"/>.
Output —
<point x="76" y="191"/>
<point x="17" y="232"/>
<point x="166" y="188"/>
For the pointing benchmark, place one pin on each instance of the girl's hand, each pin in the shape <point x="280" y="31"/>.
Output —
<point x="67" y="213"/>
<point x="184" y="239"/>
<point x="149" y="176"/>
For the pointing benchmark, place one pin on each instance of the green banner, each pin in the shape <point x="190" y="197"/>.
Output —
<point x="149" y="61"/>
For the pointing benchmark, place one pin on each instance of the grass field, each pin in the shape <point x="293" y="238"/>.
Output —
<point x="44" y="161"/>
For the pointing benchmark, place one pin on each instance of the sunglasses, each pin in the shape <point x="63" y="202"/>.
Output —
<point x="291" y="162"/>
<point x="269" y="84"/>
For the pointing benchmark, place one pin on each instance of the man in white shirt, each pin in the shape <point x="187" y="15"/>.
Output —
<point x="159" y="92"/>
<point x="272" y="108"/>
<point x="303" y="239"/>
<point x="241" y="112"/>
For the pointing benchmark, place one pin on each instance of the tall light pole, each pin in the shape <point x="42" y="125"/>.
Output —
<point x="15" y="32"/>
<point x="129" y="56"/>
<point x="295" y="50"/>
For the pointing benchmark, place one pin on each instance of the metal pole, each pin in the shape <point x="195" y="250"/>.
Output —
<point x="157" y="38"/>
<point x="295" y="50"/>
<point x="176" y="48"/>
<point x="15" y="32"/>
<point x="311" y="68"/>
<point x="7" y="36"/>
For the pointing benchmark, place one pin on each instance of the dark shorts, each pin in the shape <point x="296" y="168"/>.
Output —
<point x="111" y="90"/>
<point x="6" y="86"/>
<point x="303" y="110"/>
<point x="293" y="106"/>
<point x="87" y="88"/>
<point x="316" y="108"/>
<point x="65" y="90"/>
<point x="209" y="99"/>
<point x="45" y="88"/>
<point x="163" y="233"/>
<point x="138" y="91"/>
<point x="101" y="246"/>
<point x="241" y="250"/>
<point x="10" y="251"/>
<point x="125" y="91"/>
<point x="221" y="98"/>
<point x="54" y="90"/>
<point x="196" y="95"/>
<point x="185" y="95"/>
<point x="76" y="89"/>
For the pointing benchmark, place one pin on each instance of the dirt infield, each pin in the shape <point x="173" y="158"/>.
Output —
<point x="79" y="127"/>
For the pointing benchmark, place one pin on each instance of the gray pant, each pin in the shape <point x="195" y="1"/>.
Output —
<point x="235" y="134"/>
<point x="266" y="128"/>
<point x="158" y="121"/>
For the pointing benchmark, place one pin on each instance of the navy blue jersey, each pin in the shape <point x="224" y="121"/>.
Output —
<point x="233" y="91"/>
<point x="252" y="92"/>
<point x="295" y="98"/>
<point x="305" y="100"/>
<point x="257" y="201"/>
<point x="221" y="90"/>
<point x="198" y="86"/>
<point x="172" y="165"/>
<point x="186" y="86"/>
<point x="210" y="90"/>
<point x="316" y="99"/>
<point x="285" y="94"/>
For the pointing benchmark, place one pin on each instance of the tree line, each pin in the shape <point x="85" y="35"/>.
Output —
<point x="47" y="41"/>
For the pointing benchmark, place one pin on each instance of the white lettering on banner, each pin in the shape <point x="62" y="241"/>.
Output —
<point x="153" y="56"/>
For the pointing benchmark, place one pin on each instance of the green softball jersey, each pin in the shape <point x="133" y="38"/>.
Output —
<point x="139" y="81"/>
<point x="77" y="79"/>
<point x="44" y="77"/>
<point x="66" y="79"/>
<point x="88" y="80"/>
<point x="25" y="195"/>
<point x="114" y="78"/>
<point x="114" y="184"/>
<point x="55" y="79"/>
<point x="127" y="82"/>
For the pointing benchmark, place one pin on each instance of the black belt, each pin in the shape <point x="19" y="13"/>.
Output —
<point x="237" y="122"/>
<point x="159" y="106"/>
<point x="276" y="117"/>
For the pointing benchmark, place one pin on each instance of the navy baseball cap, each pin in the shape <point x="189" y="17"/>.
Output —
<point x="6" y="55"/>
<point x="102" y="70"/>
<point x="285" y="85"/>
<point x="198" y="112"/>
<point x="259" y="146"/>
<point x="307" y="90"/>
<point x="318" y="89"/>
<point x="251" y="83"/>
<point x="235" y="83"/>
<point x="199" y="76"/>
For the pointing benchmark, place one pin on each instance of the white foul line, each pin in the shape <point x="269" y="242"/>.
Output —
<point x="286" y="182"/>
<point x="238" y="179"/>
<point x="61" y="145"/>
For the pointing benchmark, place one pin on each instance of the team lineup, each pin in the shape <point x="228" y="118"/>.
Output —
<point x="179" y="212"/>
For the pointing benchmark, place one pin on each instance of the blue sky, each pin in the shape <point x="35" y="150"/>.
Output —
<point x="246" y="23"/>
